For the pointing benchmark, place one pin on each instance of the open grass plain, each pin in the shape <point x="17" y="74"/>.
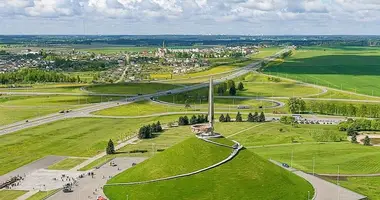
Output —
<point x="349" y="68"/>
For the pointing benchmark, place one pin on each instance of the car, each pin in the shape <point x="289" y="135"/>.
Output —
<point x="27" y="121"/>
<point x="139" y="94"/>
<point x="62" y="111"/>
<point x="169" y="93"/>
<point x="285" y="165"/>
<point x="133" y="164"/>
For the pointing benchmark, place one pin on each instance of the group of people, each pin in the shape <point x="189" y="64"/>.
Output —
<point x="13" y="182"/>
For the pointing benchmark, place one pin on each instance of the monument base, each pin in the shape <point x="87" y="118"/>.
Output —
<point x="205" y="131"/>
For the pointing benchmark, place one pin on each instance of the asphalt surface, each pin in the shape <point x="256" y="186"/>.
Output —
<point x="324" y="190"/>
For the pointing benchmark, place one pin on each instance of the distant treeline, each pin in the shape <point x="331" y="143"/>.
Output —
<point x="334" y="108"/>
<point x="35" y="76"/>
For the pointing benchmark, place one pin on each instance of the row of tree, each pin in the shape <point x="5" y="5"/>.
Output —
<point x="298" y="105"/>
<point x="229" y="86"/>
<point x="146" y="132"/>
<point x="251" y="118"/>
<point x="359" y="125"/>
<point x="184" y="120"/>
<point x="34" y="76"/>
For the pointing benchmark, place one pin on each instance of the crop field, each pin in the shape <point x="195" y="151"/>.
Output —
<point x="246" y="172"/>
<point x="130" y="88"/>
<point x="115" y="49"/>
<point x="67" y="164"/>
<point x="17" y="108"/>
<point x="349" y="68"/>
<point x="277" y="133"/>
<point x="351" y="158"/>
<point x="80" y="137"/>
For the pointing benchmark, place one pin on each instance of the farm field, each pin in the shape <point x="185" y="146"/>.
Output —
<point x="246" y="172"/>
<point x="347" y="68"/>
<point x="277" y="133"/>
<point x="17" y="108"/>
<point x="67" y="164"/>
<point x="130" y="88"/>
<point x="115" y="49"/>
<point x="11" y="194"/>
<point x="351" y="158"/>
<point x="80" y="137"/>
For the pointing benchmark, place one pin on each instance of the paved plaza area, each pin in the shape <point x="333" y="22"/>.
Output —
<point x="90" y="187"/>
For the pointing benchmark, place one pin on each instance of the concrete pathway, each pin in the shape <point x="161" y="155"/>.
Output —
<point x="325" y="190"/>
<point x="27" y="195"/>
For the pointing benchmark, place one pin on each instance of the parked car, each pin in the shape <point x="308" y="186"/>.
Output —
<point x="285" y="165"/>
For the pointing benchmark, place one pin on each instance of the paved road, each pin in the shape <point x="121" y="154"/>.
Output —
<point x="325" y="190"/>
<point x="100" y="106"/>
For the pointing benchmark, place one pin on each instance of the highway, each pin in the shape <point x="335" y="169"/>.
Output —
<point x="83" y="112"/>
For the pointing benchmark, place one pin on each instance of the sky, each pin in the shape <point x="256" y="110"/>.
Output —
<point x="147" y="17"/>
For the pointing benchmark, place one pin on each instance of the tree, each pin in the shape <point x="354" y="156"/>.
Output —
<point x="232" y="91"/>
<point x="262" y="117"/>
<point x="181" y="121"/>
<point x="110" y="148"/>
<point x="238" y="117"/>
<point x="296" y="105"/>
<point x="228" y="118"/>
<point x="186" y="120"/>
<point x="231" y="84"/>
<point x="255" y="117"/>
<point x="193" y="120"/>
<point x="221" y="90"/>
<point x="250" y="117"/>
<point x="241" y="86"/>
<point x="353" y="139"/>
<point x="367" y="141"/>
<point x="351" y="131"/>
<point x="159" y="127"/>
<point x="221" y="118"/>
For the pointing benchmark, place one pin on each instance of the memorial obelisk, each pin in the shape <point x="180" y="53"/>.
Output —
<point x="211" y="106"/>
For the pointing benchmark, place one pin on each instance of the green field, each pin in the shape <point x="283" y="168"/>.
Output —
<point x="368" y="186"/>
<point x="247" y="175"/>
<point x="41" y="195"/>
<point x="80" y="137"/>
<point x="52" y="88"/>
<point x="277" y="133"/>
<point x="143" y="108"/>
<point x="11" y="194"/>
<point x="348" y="68"/>
<point x="67" y="164"/>
<point x="277" y="90"/>
<point x="130" y="88"/>
<point x="351" y="158"/>
<point x="18" y="108"/>
<point x="163" y="141"/>
<point x="115" y="49"/>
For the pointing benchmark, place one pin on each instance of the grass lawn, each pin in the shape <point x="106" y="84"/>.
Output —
<point x="18" y="108"/>
<point x="163" y="141"/>
<point x="368" y="186"/>
<point x="131" y="88"/>
<point x="247" y="176"/>
<point x="67" y="164"/>
<point x="143" y="108"/>
<point x="11" y="194"/>
<point x="58" y="88"/>
<point x="41" y="195"/>
<point x="277" y="133"/>
<point x="351" y="158"/>
<point x="80" y="137"/>
<point x="277" y="90"/>
<point x="347" y="68"/>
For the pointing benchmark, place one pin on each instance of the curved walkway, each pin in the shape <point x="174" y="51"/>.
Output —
<point x="230" y="157"/>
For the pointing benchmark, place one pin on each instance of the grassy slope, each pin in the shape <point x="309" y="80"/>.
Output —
<point x="67" y="164"/>
<point x="11" y="194"/>
<point x="368" y="186"/>
<point x="247" y="176"/>
<point x="60" y="88"/>
<point x="352" y="158"/>
<point x="277" y="90"/>
<point x="130" y="88"/>
<point x="348" y="68"/>
<point x="41" y="195"/>
<point x="73" y="137"/>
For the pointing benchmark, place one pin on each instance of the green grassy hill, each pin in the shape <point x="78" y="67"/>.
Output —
<point x="247" y="176"/>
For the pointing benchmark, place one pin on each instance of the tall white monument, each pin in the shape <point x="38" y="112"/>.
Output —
<point x="211" y="105"/>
